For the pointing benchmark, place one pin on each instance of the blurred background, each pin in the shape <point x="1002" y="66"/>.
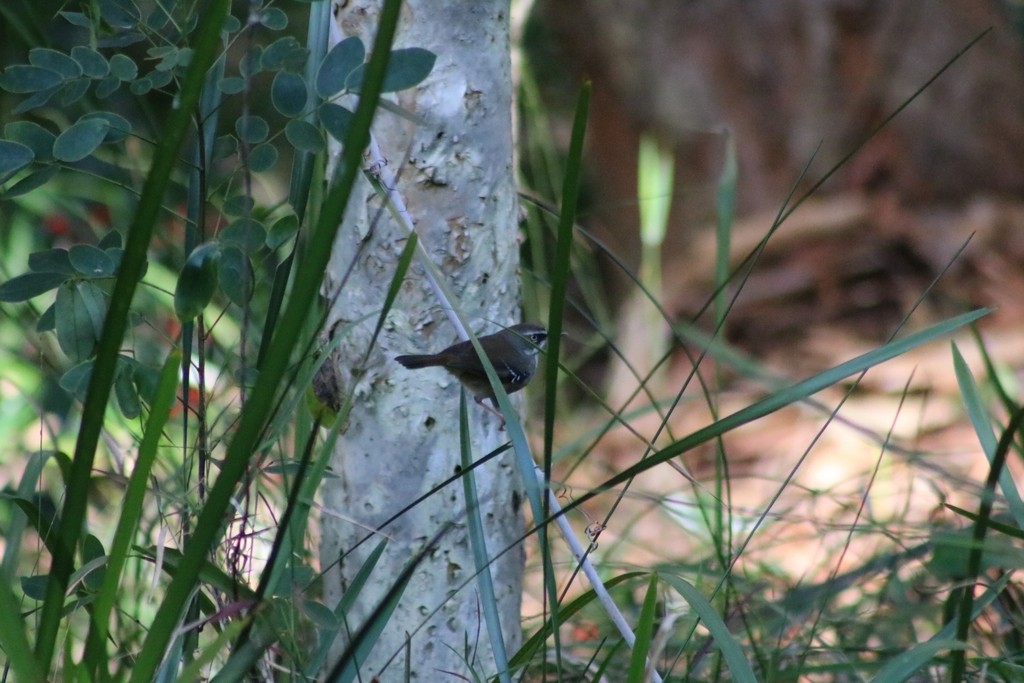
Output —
<point x="799" y="85"/>
<point x="923" y="221"/>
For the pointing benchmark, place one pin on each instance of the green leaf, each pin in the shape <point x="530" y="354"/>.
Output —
<point x="140" y="86"/>
<point x="13" y="157"/>
<point x="284" y="53"/>
<point x="304" y="136"/>
<point x="91" y="261"/>
<point x="147" y="382"/>
<point x="159" y="79"/>
<point x="48" y="320"/>
<point x="22" y="78"/>
<point x="288" y="93"/>
<point x="92" y="550"/>
<point x="37" y="100"/>
<point x="54" y="61"/>
<point x="282" y="230"/>
<point x="225" y="146"/>
<point x="119" y="127"/>
<point x="231" y="24"/>
<point x="76" y="380"/>
<point x="262" y="158"/>
<point x="406" y="68"/>
<point x="238" y="205"/>
<point x="232" y="85"/>
<point x="72" y="91"/>
<point x="251" y="62"/>
<point x="51" y="261"/>
<point x="76" y="319"/>
<point x="107" y="87"/>
<point x="320" y="614"/>
<point x="197" y="281"/>
<point x="274" y="19"/>
<point x="79" y="141"/>
<point x="30" y="182"/>
<point x="34" y="587"/>
<point x="92" y="63"/>
<point x="236" y="275"/>
<point x="120" y="13"/>
<point x="245" y="233"/>
<point x="29" y="285"/>
<point x="123" y="67"/>
<point x="252" y="129"/>
<point x="335" y="119"/>
<point x="120" y="40"/>
<point x="112" y="240"/>
<point x="127" y="395"/>
<point x="167" y="54"/>
<point x="77" y="19"/>
<point x="33" y="136"/>
<point x="158" y="19"/>
<point x="341" y="61"/>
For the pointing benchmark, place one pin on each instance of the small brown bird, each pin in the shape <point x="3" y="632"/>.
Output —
<point x="512" y="352"/>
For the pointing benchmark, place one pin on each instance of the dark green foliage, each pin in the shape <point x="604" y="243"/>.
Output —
<point x="101" y="143"/>
<point x="31" y="154"/>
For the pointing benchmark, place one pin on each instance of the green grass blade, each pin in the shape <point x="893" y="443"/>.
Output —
<point x="195" y="671"/>
<point x="725" y="207"/>
<point x="560" y="275"/>
<point x="981" y="420"/>
<point x="478" y="543"/>
<point x="644" y="633"/>
<point x="535" y="643"/>
<point x="326" y="637"/>
<point x="907" y="663"/>
<point x="903" y="665"/>
<point x="561" y="270"/>
<point x="731" y="650"/>
<point x="131" y="513"/>
<point x="347" y="667"/>
<point x="965" y="615"/>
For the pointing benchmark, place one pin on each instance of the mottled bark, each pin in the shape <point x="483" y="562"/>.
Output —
<point x="455" y="174"/>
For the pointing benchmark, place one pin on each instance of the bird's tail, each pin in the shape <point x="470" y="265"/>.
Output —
<point x="415" y="361"/>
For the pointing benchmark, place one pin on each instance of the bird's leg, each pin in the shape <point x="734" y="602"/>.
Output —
<point x="492" y="409"/>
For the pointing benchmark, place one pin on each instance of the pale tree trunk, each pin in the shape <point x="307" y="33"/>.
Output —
<point x="455" y="175"/>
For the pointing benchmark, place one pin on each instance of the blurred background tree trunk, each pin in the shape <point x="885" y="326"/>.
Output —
<point x="800" y="82"/>
<point x="455" y="173"/>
